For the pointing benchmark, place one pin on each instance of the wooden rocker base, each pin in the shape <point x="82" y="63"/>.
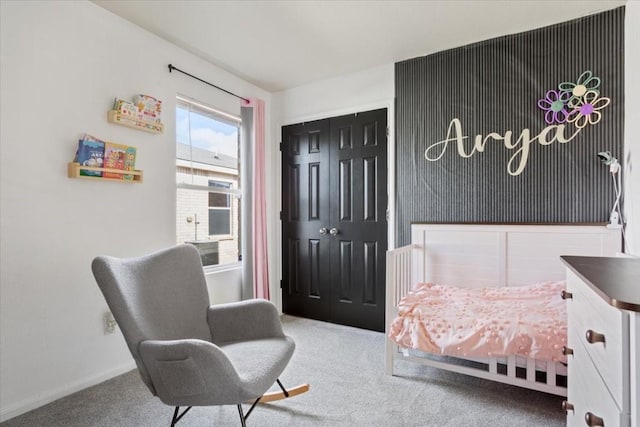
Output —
<point x="279" y="395"/>
<point x="265" y="398"/>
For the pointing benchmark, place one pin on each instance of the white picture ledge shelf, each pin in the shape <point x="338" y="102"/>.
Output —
<point x="75" y="168"/>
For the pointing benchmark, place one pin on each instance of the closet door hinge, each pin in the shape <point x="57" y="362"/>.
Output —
<point x="387" y="131"/>
<point x="280" y="283"/>
<point x="280" y="215"/>
<point x="280" y="145"/>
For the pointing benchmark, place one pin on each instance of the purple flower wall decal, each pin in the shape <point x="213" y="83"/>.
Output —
<point x="555" y="103"/>
<point x="578" y="103"/>
<point x="585" y="110"/>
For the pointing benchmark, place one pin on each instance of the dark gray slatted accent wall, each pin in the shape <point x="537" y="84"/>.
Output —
<point x="494" y="86"/>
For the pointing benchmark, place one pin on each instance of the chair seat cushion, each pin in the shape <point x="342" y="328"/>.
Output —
<point x="258" y="363"/>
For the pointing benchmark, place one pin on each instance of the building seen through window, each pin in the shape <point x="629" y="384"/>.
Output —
<point x="208" y="185"/>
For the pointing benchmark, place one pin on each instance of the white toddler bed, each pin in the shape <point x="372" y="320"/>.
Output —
<point x="481" y="256"/>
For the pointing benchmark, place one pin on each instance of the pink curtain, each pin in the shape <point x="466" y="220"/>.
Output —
<point x="259" y="203"/>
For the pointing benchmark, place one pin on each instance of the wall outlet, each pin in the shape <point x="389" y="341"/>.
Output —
<point x="109" y="323"/>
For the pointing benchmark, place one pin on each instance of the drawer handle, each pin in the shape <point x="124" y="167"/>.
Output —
<point x="566" y="295"/>
<point x="593" y="420"/>
<point x="566" y="350"/>
<point x="566" y="406"/>
<point x="594" y="337"/>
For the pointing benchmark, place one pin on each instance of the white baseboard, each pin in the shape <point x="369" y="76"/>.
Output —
<point x="625" y="255"/>
<point x="29" y="404"/>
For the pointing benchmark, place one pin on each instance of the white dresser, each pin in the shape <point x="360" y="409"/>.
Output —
<point x="603" y="348"/>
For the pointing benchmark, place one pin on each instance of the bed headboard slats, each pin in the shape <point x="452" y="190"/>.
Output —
<point x="505" y="255"/>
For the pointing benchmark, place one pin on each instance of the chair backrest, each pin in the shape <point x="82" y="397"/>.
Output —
<point x="160" y="296"/>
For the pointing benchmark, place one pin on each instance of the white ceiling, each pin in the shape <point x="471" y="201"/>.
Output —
<point x="279" y="45"/>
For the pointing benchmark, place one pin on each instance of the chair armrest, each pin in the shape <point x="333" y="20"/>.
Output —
<point x="244" y="320"/>
<point x="190" y="372"/>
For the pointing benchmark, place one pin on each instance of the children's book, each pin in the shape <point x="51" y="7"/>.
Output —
<point x="114" y="158"/>
<point x="149" y="108"/>
<point x="129" y="162"/>
<point x="90" y="152"/>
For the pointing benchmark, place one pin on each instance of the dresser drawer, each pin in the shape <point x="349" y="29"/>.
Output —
<point x="601" y="330"/>
<point x="588" y="393"/>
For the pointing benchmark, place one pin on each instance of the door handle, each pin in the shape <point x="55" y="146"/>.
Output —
<point x="324" y="231"/>
<point x="334" y="231"/>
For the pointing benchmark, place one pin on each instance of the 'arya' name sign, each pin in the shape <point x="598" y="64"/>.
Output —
<point x="573" y="103"/>
<point x="518" y="160"/>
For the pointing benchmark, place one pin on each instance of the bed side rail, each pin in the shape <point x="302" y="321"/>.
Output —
<point x="399" y="280"/>
<point x="400" y="273"/>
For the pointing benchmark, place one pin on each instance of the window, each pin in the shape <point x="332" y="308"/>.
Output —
<point x="208" y="181"/>
<point x="219" y="210"/>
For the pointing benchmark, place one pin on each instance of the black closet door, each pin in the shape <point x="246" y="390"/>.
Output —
<point x="334" y="219"/>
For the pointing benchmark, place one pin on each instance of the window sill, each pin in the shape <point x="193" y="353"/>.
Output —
<point x="220" y="237"/>
<point x="222" y="267"/>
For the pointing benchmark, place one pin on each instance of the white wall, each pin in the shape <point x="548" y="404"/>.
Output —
<point x="225" y="285"/>
<point x="340" y="95"/>
<point x="361" y="91"/>
<point x="62" y="63"/>
<point x="632" y="127"/>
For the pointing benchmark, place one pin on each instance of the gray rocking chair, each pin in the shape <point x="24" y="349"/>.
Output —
<point x="189" y="353"/>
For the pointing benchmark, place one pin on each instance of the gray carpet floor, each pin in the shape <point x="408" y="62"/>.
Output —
<point x="345" y="368"/>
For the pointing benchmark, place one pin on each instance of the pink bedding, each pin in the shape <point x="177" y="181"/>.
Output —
<point x="528" y="321"/>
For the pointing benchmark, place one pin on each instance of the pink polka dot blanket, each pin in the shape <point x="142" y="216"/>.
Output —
<point x="529" y="321"/>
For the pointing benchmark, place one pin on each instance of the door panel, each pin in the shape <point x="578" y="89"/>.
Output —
<point x="314" y="268"/>
<point x="370" y="272"/>
<point x="369" y="191"/>
<point x="294" y="192"/>
<point x="305" y="200"/>
<point x="340" y="277"/>
<point x="294" y="267"/>
<point x="361" y="224"/>
<point x="344" y="190"/>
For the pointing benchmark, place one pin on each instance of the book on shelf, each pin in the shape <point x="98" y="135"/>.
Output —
<point x="90" y="152"/>
<point x="143" y="108"/>
<point x="129" y="162"/>
<point x="149" y="108"/>
<point x="114" y="158"/>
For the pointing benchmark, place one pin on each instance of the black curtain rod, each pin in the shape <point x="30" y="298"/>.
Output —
<point x="171" y="68"/>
